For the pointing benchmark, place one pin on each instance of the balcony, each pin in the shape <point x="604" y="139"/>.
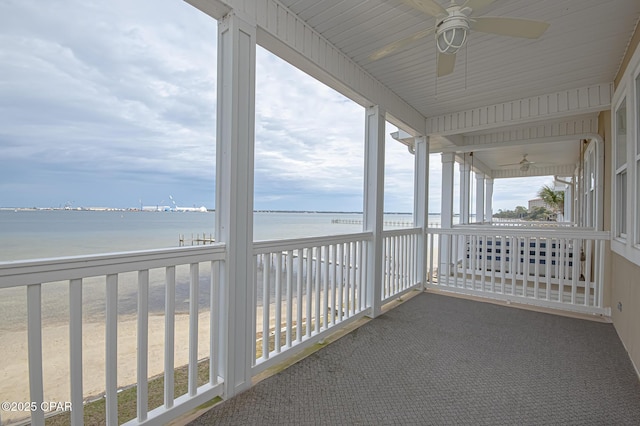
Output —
<point x="443" y="360"/>
<point x="444" y="353"/>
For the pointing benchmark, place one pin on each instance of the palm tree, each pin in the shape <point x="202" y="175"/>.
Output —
<point x="554" y="199"/>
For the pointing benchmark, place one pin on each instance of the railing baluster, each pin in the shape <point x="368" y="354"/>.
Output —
<point x="308" y="297"/>
<point x="278" y="302"/>
<point x="431" y="251"/>
<point x="536" y="268"/>
<point x="561" y="268"/>
<point x="214" y="303"/>
<point x="350" y="279"/>
<point x="300" y="265"/>
<point x="503" y="263"/>
<point x="548" y="266"/>
<point x="360" y="275"/>
<point x="111" y="343"/>
<point x="143" y="345"/>
<point x="325" y="285"/>
<point x="451" y="258"/>
<point x="317" y="286"/>
<point x="289" y="261"/>
<point x="34" y="339"/>
<point x="474" y="253"/>
<point x="193" y="328"/>
<point x="266" y="303"/>
<point x="387" y="290"/>
<point x="340" y="284"/>
<point x="492" y="263"/>
<point x="586" y="273"/>
<point x="169" y="334"/>
<point x="525" y="267"/>
<point x="515" y="256"/>
<point x="347" y="286"/>
<point x="334" y="277"/>
<point x="75" y="351"/>
<point x="575" y="270"/>
<point x="396" y="265"/>
<point x="600" y="275"/>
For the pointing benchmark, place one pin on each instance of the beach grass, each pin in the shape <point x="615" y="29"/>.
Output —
<point x="94" y="411"/>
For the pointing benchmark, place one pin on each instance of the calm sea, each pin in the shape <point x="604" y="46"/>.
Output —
<point x="37" y="234"/>
<point x="34" y="234"/>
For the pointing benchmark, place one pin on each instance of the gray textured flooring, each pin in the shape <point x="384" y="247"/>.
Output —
<point x="447" y="361"/>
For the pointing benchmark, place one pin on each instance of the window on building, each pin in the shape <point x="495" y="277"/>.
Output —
<point x="621" y="169"/>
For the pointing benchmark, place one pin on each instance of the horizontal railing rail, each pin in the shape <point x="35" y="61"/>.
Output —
<point x="560" y="268"/>
<point x="304" y="288"/>
<point x="526" y="223"/>
<point x="400" y="262"/>
<point x="109" y="268"/>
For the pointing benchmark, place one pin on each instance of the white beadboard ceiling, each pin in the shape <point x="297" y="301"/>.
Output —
<point x="584" y="46"/>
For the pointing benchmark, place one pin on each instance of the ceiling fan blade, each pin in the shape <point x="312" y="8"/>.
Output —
<point x="397" y="45"/>
<point x="446" y="64"/>
<point x="514" y="27"/>
<point x="430" y="7"/>
<point x="476" y="5"/>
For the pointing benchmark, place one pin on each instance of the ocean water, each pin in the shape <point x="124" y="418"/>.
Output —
<point x="39" y="234"/>
<point x="35" y="234"/>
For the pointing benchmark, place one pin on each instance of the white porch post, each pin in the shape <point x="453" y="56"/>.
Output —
<point x="568" y="204"/>
<point x="479" y="198"/>
<point x="446" y="210"/>
<point x="488" y="204"/>
<point x="465" y="191"/>
<point x="421" y="201"/>
<point x="234" y="197"/>
<point x="374" y="203"/>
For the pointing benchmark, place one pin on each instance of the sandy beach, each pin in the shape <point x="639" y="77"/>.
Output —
<point x="14" y="384"/>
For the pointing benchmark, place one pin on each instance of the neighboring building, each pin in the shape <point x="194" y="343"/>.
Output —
<point x="538" y="202"/>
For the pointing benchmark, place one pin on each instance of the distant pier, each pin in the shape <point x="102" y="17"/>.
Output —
<point x="197" y="240"/>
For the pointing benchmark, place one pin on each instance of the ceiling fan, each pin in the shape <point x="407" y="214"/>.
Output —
<point x="453" y="25"/>
<point x="524" y="164"/>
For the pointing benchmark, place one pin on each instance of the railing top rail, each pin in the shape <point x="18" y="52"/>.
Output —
<point x="583" y="233"/>
<point x="37" y="271"/>
<point x="525" y="224"/>
<point x="400" y="232"/>
<point x="260" y="247"/>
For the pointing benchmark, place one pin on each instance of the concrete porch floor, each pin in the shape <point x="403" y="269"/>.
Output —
<point x="447" y="361"/>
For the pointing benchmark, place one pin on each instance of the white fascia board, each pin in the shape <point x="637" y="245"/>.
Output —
<point x="214" y="8"/>
<point x="550" y="131"/>
<point x="590" y="99"/>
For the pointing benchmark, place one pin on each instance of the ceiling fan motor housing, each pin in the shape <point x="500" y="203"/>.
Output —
<point x="451" y="32"/>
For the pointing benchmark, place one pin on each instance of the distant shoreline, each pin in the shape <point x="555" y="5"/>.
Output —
<point x="135" y="209"/>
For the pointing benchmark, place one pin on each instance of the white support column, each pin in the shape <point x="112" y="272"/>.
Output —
<point x="465" y="192"/>
<point x="446" y="211"/>
<point x="568" y="204"/>
<point x="234" y="197"/>
<point x="421" y="201"/>
<point x="488" y="204"/>
<point x="374" y="202"/>
<point x="479" y="198"/>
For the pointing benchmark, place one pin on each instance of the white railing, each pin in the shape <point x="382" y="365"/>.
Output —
<point x="400" y="260"/>
<point x="303" y="289"/>
<point x="136" y="272"/>
<point x="496" y="222"/>
<point x="559" y="268"/>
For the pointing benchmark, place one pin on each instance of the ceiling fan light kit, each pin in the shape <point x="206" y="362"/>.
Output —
<point x="451" y="33"/>
<point x="452" y="28"/>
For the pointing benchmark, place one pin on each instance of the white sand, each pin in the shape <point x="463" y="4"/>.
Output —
<point x="14" y="381"/>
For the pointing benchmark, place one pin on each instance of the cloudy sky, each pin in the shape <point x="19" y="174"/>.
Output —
<point x="113" y="104"/>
